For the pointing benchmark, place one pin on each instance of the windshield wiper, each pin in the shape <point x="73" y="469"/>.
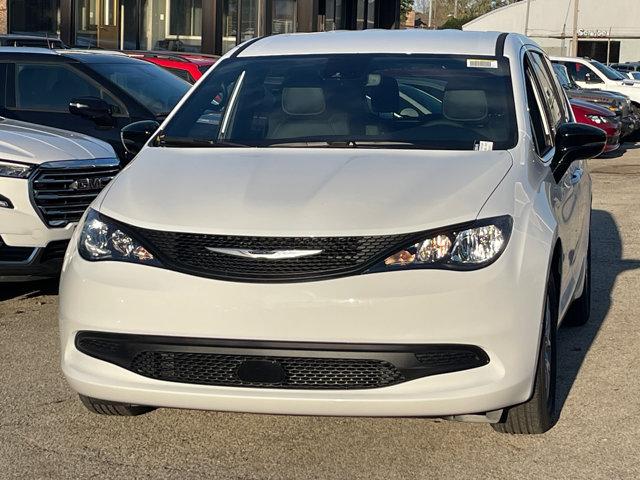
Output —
<point x="169" y="141"/>
<point x="345" y="144"/>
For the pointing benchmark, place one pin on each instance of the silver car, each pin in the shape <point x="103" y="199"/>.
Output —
<point x="380" y="223"/>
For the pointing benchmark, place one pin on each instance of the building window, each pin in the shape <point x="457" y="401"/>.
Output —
<point x="174" y="25"/>
<point x="601" y="50"/>
<point x="245" y="26"/>
<point x="34" y="17"/>
<point x="284" y="16"/>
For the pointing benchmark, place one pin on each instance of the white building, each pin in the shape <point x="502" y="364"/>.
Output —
<point x="607" y="29"/>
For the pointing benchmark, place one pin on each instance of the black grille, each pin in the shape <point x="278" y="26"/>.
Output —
<point x="299" y="372"/>
<point x="14" y="254"/>
<point x="54" y="251"/>
<point x="61" y="193"/>
<point x="277" y="364"/>
<point x="189" y="253"/>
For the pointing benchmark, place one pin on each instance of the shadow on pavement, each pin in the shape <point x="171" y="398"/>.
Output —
<point x="607" y="264"/>
<point x="28" y="289"/>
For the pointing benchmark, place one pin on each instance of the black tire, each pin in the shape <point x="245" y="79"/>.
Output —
<point x="580" y="310"/>
<point x="103" y="407"/>
<point x="538" y="415"/>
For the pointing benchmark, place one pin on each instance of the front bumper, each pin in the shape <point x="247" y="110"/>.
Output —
<point x="29" y="250"/>
<point x="497" y="309"/>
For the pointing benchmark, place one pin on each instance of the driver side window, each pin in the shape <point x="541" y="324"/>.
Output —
<point x="542" y="133"/>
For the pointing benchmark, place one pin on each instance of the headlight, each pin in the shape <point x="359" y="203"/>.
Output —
<point x="464" y="247"/>
<point x="14" y="170"/>
<point x="103" y="239"/>
<point x="598" y="119"/>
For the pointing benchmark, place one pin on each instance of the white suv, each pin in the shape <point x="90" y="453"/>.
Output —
<point x="352" y="223"/>
<point x="593" y="74"/>
<point x="48" y="177"/>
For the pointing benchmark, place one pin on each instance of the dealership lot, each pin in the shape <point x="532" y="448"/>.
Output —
<point x="46" y="433"/>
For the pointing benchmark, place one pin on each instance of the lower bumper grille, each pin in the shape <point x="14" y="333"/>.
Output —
<point x="14" y="254"/>
<point x="283" y="365"/>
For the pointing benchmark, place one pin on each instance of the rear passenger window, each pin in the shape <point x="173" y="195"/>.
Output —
<point x="50" y="88"/>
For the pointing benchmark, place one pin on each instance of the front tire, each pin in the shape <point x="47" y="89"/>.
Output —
<point x="538" y="415"/>
<point x="102" y="407"/>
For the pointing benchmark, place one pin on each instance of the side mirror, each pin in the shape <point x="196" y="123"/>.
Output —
<point x="92" y="108"/>
<point x="135" y="135"/>
<point x="576" y="141"/>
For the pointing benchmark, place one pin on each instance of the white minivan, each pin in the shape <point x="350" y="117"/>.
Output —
<point x="377" y="223"/>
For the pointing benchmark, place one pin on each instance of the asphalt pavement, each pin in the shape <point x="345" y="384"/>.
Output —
<point x="46" y="433"/>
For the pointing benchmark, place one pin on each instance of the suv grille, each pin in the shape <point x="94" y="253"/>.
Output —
<point x="62" y="191"/>
<point x="189" y="253"/>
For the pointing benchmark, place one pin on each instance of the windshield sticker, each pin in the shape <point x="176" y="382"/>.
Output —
<point x="481" y="63"/>
<point x="483" y="146"/>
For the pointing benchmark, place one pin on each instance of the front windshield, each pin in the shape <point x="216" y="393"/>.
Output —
<point x="364" y="100"/>
<point x="608" y="72"/>
<point x="152" y="86"/>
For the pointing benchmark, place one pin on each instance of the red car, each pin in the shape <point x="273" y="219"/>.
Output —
<point x="603" y="118"/>
<point x="188" y="66"/>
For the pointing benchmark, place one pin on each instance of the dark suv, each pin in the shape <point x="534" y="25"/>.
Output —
<point x="88" y="92"/>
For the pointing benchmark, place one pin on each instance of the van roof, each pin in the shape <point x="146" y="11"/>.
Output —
<point x="375" y="41"/>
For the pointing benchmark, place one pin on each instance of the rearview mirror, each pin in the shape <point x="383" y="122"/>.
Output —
<point x="135" y="135"/>
<point x="92" y="108"/>
<point x="576" y="141"/>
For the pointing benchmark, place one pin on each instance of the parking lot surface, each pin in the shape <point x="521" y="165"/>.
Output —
<point x="46" y="433"/>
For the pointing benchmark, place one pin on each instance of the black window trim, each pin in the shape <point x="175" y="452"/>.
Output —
<point x="530" y="76"/>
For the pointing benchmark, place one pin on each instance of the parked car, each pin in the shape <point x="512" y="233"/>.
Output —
<point x="617" y="103"/>
<point x="590" y="114"/>
<point x="14" y="40"/>
<point x="626" y="67"/>
<point x="304" y="235"/>
<point x="593" y="74"/>
<point x="188" y="66"/>
<point x="48" y="177"/>
<point x="88" y="92"/>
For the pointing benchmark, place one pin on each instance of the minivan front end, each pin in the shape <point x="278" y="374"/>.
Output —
<point x="314" y="234"/>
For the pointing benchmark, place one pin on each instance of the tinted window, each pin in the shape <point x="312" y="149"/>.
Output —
<point x="152" y="86"/>
<point x="579" y="72"/>
<point x="180" y="73"/>
<point x="608" y="72"/>
<point x="548" y="89"/>
<point x="50" y="87"/>
<point x="415" y="101"/>
<point x="543" y="137"/>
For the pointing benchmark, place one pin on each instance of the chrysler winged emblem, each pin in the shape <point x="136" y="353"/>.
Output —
<point x="264" y="254"/>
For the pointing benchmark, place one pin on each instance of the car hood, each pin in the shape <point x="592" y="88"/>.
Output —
<point x="295" y="191"/>
<point x="36" y="144"/>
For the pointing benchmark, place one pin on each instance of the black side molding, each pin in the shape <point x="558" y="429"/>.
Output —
<point x="500" y="44"/>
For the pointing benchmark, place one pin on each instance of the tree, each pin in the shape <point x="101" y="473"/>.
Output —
<point x="405" y="7"/>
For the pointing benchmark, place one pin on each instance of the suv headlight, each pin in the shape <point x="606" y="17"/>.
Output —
<point x="464" y="247"/>
<point x="102" y="238"/>
<point x="14" y="170"/>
